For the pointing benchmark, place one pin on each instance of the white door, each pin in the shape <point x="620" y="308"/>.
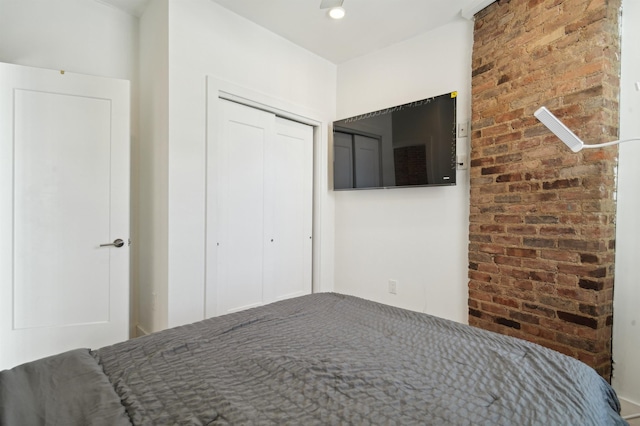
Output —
<point x="289" y="212"/>
<point x="64" y="191"/>
<point x="264" y="200"/>
<point x="246" y="134"/>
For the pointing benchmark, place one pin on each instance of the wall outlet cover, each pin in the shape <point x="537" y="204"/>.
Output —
<point x="393" y="286"/>
<point x="463" y="129"/>
<point x="462" y="162"/>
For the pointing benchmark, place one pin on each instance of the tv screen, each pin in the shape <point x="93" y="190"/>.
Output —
<point x="407" y="145"/>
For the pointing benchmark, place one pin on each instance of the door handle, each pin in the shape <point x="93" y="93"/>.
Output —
<point x="115" y="243"/>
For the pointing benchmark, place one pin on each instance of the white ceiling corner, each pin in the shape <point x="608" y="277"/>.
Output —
<point x="132" y="7"/>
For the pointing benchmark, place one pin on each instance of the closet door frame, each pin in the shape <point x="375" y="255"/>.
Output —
<point x="219" y="89"/>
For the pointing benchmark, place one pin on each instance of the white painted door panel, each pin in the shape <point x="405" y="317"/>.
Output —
<point x="55" y="171"/>
<point x="246" y="135"/>
<point x="288" y="258"/>
<point x="64" y="190"/>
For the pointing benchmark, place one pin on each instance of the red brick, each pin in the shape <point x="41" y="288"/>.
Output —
<point x="520" y="252"/>
<point x="505" y="301"/>
<point x="522" y="230"/>
<point x="503" y="218"/>
<point x="507" y="240"/>
<point x="492" y="248"/>
<point x="494" y="309"/>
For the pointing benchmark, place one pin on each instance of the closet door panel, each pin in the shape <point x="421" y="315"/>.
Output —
<point x="289" y="211"/>
<point x="246" y="135"/>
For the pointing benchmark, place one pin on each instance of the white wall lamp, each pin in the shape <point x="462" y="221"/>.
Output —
<point x="567" y="136"/>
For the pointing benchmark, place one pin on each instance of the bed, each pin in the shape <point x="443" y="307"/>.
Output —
<point x="321" y="359"/>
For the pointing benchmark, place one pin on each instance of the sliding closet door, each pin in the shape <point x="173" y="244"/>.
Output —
<point x="289" y="215"/>
<point x="264" y="208"/>
<point x="247" y="134"/>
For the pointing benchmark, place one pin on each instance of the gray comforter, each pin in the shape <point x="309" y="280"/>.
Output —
<point x="329" y="359"/>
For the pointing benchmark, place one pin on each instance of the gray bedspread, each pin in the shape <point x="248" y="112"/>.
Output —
<point x="66" y="389"/>
<point x="329" y="359"/>
<point x="334" y="359"/>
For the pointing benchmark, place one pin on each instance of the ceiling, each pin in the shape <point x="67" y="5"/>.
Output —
<point x="132" y="7"/>
<point x="369" y="25"/>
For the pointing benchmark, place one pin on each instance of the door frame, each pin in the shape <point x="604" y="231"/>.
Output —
<point x="221" y="89"/>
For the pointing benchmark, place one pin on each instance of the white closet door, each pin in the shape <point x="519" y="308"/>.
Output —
<point x="246" y="135"/>
<point x="264" y="199"/>
<point x="289" y="217"/>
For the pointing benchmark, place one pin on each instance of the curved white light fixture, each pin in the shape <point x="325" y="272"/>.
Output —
<point x="567" y="136"/>
<point x="337" y="12"/>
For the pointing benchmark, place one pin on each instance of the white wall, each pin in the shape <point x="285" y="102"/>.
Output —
<point x="626" y="322"/>
<point x="417" y="236"/>
<point x="206" y="39"/>
<point x="152" y="165"/>
<point x="81" y="36"/>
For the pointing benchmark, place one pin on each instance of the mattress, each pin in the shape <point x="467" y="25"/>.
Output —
<point x="329" y="359"/>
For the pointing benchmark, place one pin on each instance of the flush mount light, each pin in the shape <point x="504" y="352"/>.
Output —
<point x="337" y="12"/>
<point x="567" y="136"/>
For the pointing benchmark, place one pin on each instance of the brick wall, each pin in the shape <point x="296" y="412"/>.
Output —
<point x="542" y="221"/>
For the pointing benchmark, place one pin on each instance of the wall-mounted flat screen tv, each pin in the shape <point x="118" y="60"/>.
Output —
<point x="407" y="145"/>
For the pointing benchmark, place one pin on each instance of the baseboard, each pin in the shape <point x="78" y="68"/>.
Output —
<point x="630" y="409"/>
<point x="140" y="331"/>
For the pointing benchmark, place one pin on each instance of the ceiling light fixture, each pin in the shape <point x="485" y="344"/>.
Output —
<point x="567" y="136"/>
<point x="337" y="12"/>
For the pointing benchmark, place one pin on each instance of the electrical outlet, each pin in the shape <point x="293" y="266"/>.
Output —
<point x="638" y="86"/>
<point x="393" y="286"/>
<point x="461" y="162"/>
